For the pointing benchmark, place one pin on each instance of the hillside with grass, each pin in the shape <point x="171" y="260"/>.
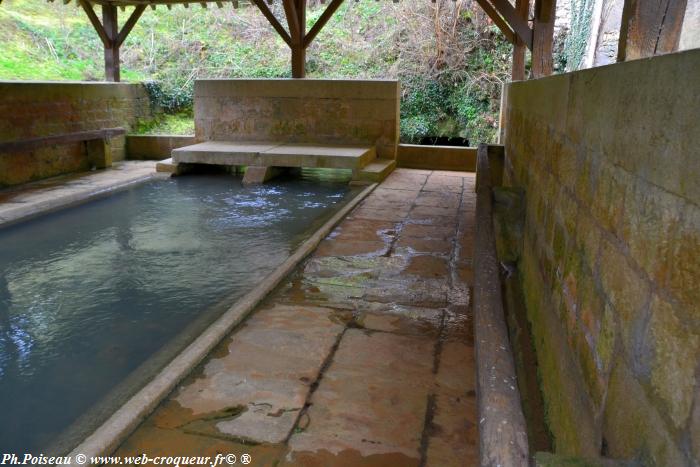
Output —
<point x="450" y="58"/>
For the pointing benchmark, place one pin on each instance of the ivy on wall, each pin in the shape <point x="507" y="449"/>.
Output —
<point x="579" y="33"/>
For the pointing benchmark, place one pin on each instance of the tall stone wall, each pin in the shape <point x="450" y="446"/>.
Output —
<point x="35" y="109"/>
<point x="610" y="162"/>
<point x="303" y="111"/>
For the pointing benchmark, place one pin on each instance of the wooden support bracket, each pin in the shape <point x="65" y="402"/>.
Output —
<point x="110" y="35"/>
<point x="265" y="10"/>
<point x="498" y="20"/>
<point x="514" y="20"/>
<point x="96" y="23"/>
<point x="130" y="23"/>
<point x="290" y="10"/>
<point x="321" y="22"/>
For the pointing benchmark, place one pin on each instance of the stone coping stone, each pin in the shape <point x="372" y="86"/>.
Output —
<point x="299" y="88"/>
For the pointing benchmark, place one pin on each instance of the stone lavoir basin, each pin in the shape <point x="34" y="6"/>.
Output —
<point x="96" y="299"/>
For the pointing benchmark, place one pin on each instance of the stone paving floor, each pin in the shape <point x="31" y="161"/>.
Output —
<point x="362" y="357"/>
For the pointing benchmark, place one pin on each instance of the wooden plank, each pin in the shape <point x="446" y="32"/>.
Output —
<point x="517" y="73"/>
<point x="106" y="41"/>
<point x="502" y="429"/>
<point x="543" y="37"/>
<point x="650" y="28"/>
<point x="321" y="22"/>
<point x="37" y="143"/>
<point x="265" y="10"/>
<point x="130" y="23"/>
<point x="111" y="54"/>
<point x="516" y="23"/>
<point x="498" y="20"/>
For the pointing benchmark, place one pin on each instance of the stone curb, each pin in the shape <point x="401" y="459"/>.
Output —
<point x="23" y="213"/>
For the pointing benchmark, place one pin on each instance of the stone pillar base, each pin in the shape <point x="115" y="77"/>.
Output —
<point x="256" y="174"/>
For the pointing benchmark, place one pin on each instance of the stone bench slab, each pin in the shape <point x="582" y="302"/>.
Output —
<point x="275" y="154"/>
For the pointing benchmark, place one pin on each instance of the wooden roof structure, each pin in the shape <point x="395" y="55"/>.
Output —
<point x="648" y="28"/>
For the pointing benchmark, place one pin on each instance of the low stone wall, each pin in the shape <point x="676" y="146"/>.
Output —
<point x="154" y="147"/>
<point x="610" y="162"/>
<point x="304" y="111"/>
<point x="415" y="156"/>
<point x="35" y="109"/>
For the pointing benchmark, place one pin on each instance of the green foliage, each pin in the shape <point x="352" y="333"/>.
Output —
<point x="181" y="123"/>
<point x="450" y="75"/>
<point x="573" y="49"/>
<point x="170" y="96"/>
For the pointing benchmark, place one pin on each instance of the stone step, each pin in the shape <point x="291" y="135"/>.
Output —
<point x="375" y="171"/>
<point x="167" y="166"/>
<point x="275" y="154"/>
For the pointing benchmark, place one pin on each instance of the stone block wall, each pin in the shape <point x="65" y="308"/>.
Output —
<point x="155" y="147"/>
<point x="417" y="156"/>
<point x="610" y="162"/>
<point x="304" y="111"/>
<point x="36" y="109"/>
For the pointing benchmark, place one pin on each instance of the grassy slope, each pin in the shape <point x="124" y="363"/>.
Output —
<point x="48" y="41"/>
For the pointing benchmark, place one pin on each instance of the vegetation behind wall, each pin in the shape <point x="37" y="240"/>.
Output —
<point x="450" y="58"/>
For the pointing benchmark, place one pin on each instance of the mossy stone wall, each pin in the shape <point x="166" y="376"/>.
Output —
<point x="609" y="159"/>
<point x="36" y="109"/>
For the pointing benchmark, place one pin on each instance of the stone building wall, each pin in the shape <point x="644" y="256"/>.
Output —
<point x="610" y="162"/>
<point x="36" y="109"/>
<point x="305" y="111"/>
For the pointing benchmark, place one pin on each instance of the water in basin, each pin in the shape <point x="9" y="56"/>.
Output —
<point x="95" y="299"/>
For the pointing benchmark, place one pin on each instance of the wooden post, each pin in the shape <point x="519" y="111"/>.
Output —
<point x="522" y="8"/>
<point x="542" y="38"/>
<point x="298" y="46"/>
<point x="111" y="27"/>
<point x="650" y="28"/>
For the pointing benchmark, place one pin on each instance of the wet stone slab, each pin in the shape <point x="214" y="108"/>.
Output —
<point x="362" y="357"/>
<point x="386" y="415"/>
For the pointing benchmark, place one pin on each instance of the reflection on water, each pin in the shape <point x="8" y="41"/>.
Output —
<point x="88" y="294"/>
